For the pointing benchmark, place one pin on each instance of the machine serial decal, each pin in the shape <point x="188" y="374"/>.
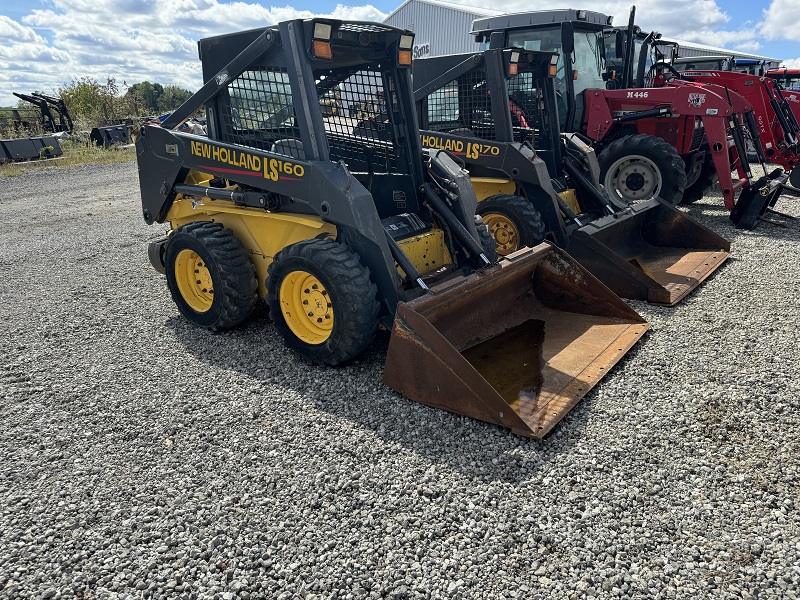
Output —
<point x="273" y="169"/>
<point x="471" y="150"/>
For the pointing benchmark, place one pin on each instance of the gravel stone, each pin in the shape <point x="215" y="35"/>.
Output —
<point x="141" y="457"/>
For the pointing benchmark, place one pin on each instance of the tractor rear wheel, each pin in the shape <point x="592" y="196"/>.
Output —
<point x="513" y="222"/>
<point x="322" y="301"/>
<point x="639" y="167"/>
<point x="210" y="276"/>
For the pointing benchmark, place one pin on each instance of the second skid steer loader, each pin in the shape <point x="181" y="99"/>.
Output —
<point x="343" y="225"/>
<point x="493" y="109"/>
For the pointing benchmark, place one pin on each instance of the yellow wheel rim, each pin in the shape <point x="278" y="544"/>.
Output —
<point x="194" y="281"/>
<point x="503" y="231"/>
<point x="306" y="307"/>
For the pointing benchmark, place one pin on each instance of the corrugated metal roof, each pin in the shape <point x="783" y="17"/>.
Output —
<point x="478" y="11"/>
<point x="716" y="50"/>
<point x="440" y="27"/>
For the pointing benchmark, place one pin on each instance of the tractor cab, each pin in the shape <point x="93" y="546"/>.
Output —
<point x="577" y="37"/>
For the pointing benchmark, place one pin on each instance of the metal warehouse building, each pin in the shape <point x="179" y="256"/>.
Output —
<point x="443" y="28"/>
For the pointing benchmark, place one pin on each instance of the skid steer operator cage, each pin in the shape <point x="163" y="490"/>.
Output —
<point x="533" y="100"/>
<point x="312" y="90"/>
<point x="462" y="106"/>
<point x="260" y="113"/>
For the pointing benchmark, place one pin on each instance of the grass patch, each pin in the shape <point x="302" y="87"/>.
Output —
<point x="75" y="153"/>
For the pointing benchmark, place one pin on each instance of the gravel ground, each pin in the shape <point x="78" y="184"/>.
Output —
<point x="143" y="457"/>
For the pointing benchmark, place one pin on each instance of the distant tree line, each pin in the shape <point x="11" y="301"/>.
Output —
<point x="92" y="103"/>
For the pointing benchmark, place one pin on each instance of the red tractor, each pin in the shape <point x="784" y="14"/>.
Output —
<point x="789" y="82"/>
<point x="772" y="115"/>
<point x="650" y="141"/>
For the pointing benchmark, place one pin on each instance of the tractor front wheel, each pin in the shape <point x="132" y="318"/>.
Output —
<point x="640" y="167"/>
<point x="210" y="276"/>
<point x="702" y="181"/>
<point x="513" y="222"/>
<point x="322" y="301"/>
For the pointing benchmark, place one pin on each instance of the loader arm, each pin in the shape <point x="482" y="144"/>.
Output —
<point x="777" y="134"/>
<point x="684" y="100"/>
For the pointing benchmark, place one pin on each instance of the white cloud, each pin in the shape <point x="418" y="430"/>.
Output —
<point x="781" y="20"/>
<point x="791" y="63"/>
<point x="751" y="46"/>
<point x="11" y="31"/>
<point x="129" y="40"/>
<point x="744" y="40"/>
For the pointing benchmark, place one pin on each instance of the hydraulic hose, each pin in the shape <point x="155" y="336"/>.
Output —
<point x="455" y="225"/>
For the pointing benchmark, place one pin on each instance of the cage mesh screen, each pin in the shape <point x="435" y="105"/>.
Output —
<point x="462" y="106"/>
<point x="357" y="116"/>
<point x="527" y="108"/>
<point x="363" y="27"/>
<point x="353" y="103"/>
<point x="260" y="113"/>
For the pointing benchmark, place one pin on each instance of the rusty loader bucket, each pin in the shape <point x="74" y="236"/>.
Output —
<point x="653" y="252"/>
<point x="517" y="345"/>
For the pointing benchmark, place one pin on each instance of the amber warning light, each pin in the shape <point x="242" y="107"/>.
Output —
<point x="321" y="47"/>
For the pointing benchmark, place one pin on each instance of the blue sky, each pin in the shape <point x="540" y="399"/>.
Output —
<point x="45" y="44"/>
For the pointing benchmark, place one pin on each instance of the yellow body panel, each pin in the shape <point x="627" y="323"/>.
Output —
<point x="569" y="197"/>
<point x="263" y="234"/>
<point x="427" y="251"/>
<point x="490" y="186"/>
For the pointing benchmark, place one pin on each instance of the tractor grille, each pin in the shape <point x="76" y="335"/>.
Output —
<point x="462" y="106"/>
<point x="697" y="137"/>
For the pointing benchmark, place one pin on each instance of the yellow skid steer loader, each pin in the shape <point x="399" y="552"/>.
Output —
<point x="343" y="224"/>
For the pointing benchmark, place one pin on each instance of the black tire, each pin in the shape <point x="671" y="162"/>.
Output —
<point x="488" y="243"/>
<point x="218" y="256"/>
<point x="516" y="211"/>
<point x="353" y="306"/>
<point x="639" y="167"/>
<point x="703" y="182"/>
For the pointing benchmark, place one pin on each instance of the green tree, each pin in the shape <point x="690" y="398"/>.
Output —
<point x="93" y="102"/>
<point x="172" y="98"/>
<point x="147" y="95"/>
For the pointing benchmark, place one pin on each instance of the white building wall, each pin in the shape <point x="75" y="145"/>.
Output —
<point x="439" y="29"/>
